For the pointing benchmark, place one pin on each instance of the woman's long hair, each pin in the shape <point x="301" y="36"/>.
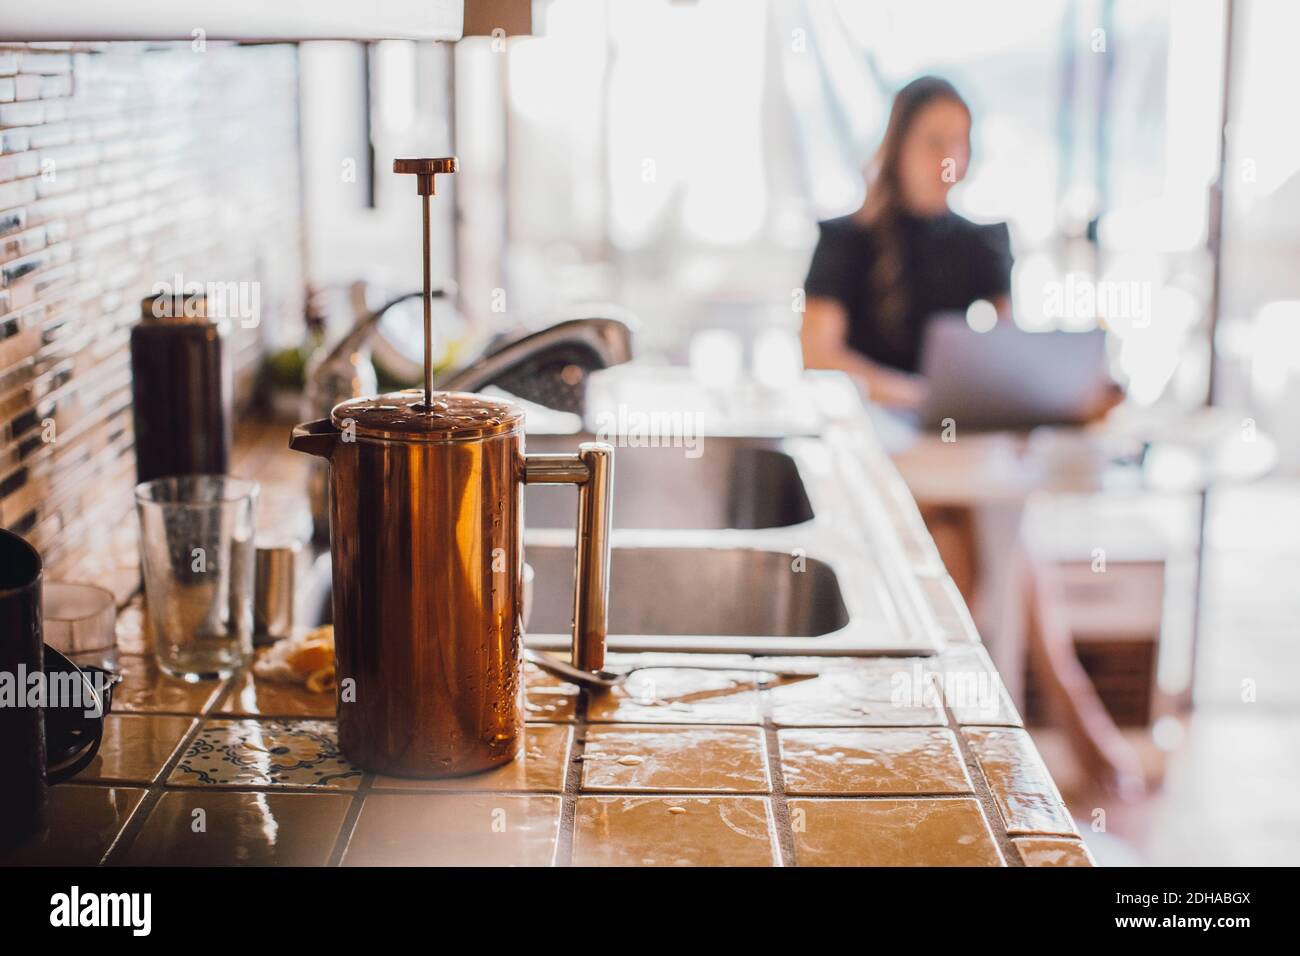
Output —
<point x="883" y="206"/>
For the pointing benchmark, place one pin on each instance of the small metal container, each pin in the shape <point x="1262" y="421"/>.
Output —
<point x="274" y="589"/>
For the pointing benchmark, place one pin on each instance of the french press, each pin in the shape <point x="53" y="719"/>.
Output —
<point x="426" y="537"/>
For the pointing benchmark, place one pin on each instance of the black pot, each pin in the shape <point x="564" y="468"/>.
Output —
<point x="47" y="744"/>
<point x="22" y="728"/>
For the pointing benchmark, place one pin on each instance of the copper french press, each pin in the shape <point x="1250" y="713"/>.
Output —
<point x="426" y="538"/>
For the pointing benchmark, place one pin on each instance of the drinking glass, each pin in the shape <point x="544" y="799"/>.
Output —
<point x="197" y="548"/>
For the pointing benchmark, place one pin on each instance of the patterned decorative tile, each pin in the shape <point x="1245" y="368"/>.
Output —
<point x="540" y="765"/>
<point x="265" y="753"/>
<point x="225" y="828"/>
<point x="726" y="759"/>
<point x="933" y="832"/>
<point x="674" y="831"/>
<point x="135" y="748"/>
<point x="905" y="760"/>
<point x="455" y="829"/>
<point x="1024" y="791"/>
<point x="678" y="696"/>
<point x="81" y="824"/>
<point x="1052" y="851"/>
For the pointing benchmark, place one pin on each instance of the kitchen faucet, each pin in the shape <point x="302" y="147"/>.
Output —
<point x="346" y="370"/>
<point x="549" y="366"/>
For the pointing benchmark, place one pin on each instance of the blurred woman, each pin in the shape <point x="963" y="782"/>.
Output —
<point x="879" y="274"/>
<point x="877" y="277"/>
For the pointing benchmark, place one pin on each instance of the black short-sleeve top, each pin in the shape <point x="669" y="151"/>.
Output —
<point x="948" y="263"/>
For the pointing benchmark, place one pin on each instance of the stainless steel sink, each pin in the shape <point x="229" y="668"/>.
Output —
<point x="679" y="591"/>
<point x="742" y="483"/>
<point x="757" y="545"/>
<point x="732" y="592"/>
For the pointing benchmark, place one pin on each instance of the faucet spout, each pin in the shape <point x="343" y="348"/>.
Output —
<point x="551" y="366"/>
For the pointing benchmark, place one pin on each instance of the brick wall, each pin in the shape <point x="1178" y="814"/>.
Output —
<point x="123" y="165"/>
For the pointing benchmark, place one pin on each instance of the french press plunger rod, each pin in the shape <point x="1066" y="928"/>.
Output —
<point x="425" y="170"/>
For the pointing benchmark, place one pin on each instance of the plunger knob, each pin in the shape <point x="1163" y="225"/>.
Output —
<point x="425" y="170"/>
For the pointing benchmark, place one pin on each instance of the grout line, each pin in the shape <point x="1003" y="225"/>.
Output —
<point x="780" y="805"/>
<point x="572" y="784"/>
<point x="126" y="836"/>
<point x="983" y="792"/>
<point x="349" y="825"/>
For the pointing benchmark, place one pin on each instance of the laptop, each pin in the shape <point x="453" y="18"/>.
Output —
<point x="1007" y="377"/>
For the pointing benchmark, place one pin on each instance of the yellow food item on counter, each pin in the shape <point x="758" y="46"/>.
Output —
<point x="306" y="659"/>
<point x="322" y="681"/>
<point x="311" y="656"/>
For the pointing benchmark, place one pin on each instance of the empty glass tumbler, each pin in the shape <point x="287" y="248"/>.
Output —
<point x="197" y="548"/>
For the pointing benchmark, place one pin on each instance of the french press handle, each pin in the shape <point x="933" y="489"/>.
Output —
<point x="592" y="470"/>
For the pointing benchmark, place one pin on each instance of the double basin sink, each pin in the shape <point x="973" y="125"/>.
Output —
<point x="745" y="545"/>
<point x="738" y="545"/>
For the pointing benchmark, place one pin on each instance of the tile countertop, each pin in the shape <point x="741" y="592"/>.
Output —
<point x="878" y="761"/>
<point x="676" y="767"/>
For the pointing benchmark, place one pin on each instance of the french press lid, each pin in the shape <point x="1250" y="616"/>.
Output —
<point x="449" y="416"/>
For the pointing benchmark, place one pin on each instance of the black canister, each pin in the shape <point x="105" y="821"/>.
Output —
<point x="22" y="727"/>
<point x="182" y="387"/>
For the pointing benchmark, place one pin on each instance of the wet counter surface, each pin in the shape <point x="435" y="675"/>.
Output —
<point x="885" y="761"/>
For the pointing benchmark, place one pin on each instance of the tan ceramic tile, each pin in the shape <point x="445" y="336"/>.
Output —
<point x="548" y="698"/>
<point x="550" y="707"/>
<point x="455" y="829"/>
<point x="674" y="831"/>
<point x="678" y="696"/>
<point x="878" y="693"/>
<point x="223" y="828"/>
<point x="253" y="696"/>
<point x="729" y="759"/>
<point x="949" y="609"/>
<point x="145" y="689"/>
<point x="540" y="765"/>
<point x="81" y="824"/>
<point x="972" y="687"/>
<point x="135" y="748"/>
<point x="1052" y="851"/>
<point x="1025" y="793"/>
<point x="905" y="760"/>
<point x="265" y="753"/>
<point x="926" y="832"/>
